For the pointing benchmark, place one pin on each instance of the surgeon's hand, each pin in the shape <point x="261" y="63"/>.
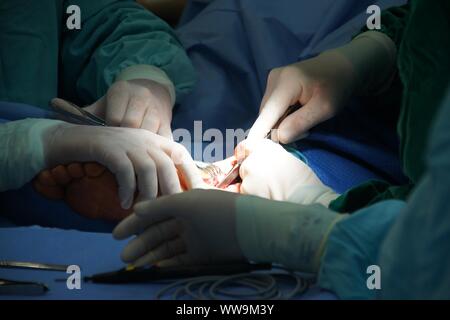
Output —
<point x="269" y="171"/>
<point x="136" y="103"/>
<point x="128" y="154"/>
<point x="195" y="227"/>
<point x="321" y="85"/>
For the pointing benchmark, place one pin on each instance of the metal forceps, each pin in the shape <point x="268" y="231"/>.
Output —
<point x="234" y="172"/>
<point x="23" y="288"/>
<point x="26" y="288"/>
<point x="75" y="114"/>
<point x="32" y="265"/>
<point x="231" y="176"/>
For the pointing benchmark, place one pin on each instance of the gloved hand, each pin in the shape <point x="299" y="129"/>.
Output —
<point x="195" y="227"/>
<point x="138" y="103"/>
<point x="127" y="153"/>
<point x="322" y="85"/>
<point x="269" y="171"/>
<point x="213" y="227"/>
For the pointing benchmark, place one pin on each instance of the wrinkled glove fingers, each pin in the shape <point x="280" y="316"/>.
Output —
<point x="151" y="239"/>
<point x="134" y="225"/>
<point x="117" y="99"/>
<point x="166" y="250"/>
<point x="147" y="176"/>
<point x="135" y="112"/>
<point x="169" y="182"/>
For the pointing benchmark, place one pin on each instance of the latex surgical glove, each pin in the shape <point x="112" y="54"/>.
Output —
<point x="213" y="227"/>
<point x="22" y="153"/>
<point x="130" y="154"/>
<point x="269" y="171"/>
<point x="195" y="227"/>
<point x="323" y="85"/>
<point x="289" y="234"/>
<point x="138" y="103"/>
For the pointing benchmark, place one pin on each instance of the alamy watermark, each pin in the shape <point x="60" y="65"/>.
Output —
<point x="73" y="282"/>
<point x="374" y="280"/>
<point x="73" y="22"/>
<point x="374" y="20"/>
<point x="210" y="145"/>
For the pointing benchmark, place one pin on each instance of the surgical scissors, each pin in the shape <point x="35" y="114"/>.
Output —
<point x="75" y="114"/>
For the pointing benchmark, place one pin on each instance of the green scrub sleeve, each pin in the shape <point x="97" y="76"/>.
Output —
<point x="414" y="256"/>
<point x="353" y="246"/>
<point x="282" y="232"/>
<point x="369" y="193"/>
<point x="408" y="241"/>
<point x="423" y="67"/>
<point x="393" y="23"/>
<point x="22" y="154"/>
<point x="114" y="36"/>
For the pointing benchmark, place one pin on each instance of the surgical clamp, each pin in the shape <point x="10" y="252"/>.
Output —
<point x="75" y="114"/>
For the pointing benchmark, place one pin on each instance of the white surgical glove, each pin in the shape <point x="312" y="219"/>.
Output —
<point x="286" y="233"/>
<point x="195" y="227"/>
<point x="269" y="171"/>
<point x="142" y="97"/>
<point x="213" y="227"/>
<point x="21" y="151"/>
<point x="322" y="85"/>
<point x="127" y="153"/>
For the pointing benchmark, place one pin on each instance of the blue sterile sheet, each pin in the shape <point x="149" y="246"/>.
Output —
<point x="87" y="250"/>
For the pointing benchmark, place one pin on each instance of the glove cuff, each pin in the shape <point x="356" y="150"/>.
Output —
<point x="373" y="57"/>
<point x="22" y="155"/>
<point x="282" y="232"/>
<point x="313" y="194"/>
<point x="152" y="73"/>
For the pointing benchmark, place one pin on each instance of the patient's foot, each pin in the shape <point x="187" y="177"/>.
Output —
<point x="89" y="189"/>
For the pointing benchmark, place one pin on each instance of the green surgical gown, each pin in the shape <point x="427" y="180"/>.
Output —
<point x="420" y="31"/>
<point x="40" y="58"/>
<point x="409" y="241"/>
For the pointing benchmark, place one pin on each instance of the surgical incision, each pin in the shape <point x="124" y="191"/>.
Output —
<point x="91" y="189"/>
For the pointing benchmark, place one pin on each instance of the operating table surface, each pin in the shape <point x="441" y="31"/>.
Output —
<point x="93" y="252"/>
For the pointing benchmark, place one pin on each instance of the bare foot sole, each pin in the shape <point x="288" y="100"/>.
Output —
<point x="91" y="190"/>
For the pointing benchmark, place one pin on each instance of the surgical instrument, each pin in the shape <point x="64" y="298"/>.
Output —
<point x="32" y="265"/>
<point x="230" y="177"/>
<point x="75" y="114"/>
<point x="233" y="175"/>
<point x="210" y="169"/>
<point x="154" y="273"/>
<point x="23" y="288"/>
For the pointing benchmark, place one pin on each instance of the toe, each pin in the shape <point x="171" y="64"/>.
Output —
<point x="45" y="178"/>
<point x="49" y="192"/>
<point x="61" y="175"/>
<point x="93" y="169"/>
<point x="75" y="170"/>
